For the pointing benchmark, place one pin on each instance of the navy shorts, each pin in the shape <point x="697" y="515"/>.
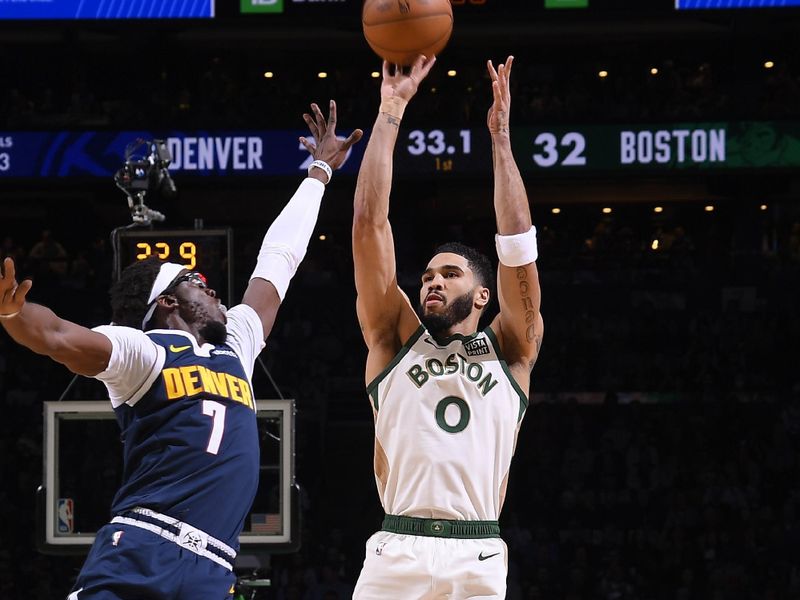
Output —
<point x="130" y="563"/>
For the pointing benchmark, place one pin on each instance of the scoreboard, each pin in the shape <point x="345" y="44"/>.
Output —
<point x="732" y="4"/>
<point x="298" y="11"/>
<point x="438" y="152"/>
<point x="513" y="9"/>
<point x="577" y="150"/>
<point x="103" y="10"/>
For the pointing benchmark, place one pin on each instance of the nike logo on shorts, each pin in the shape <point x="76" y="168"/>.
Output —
<point x="482" y="557"/>
<point x="174" y="348"/>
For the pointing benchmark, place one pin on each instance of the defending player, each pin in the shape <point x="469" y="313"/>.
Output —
<point x="182" y="395"/>
<point x="447" y="399"/>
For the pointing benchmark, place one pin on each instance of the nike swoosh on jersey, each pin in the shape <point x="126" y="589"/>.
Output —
<point x="482" y="557"/>
<point x="434" y="344"/>
<point x="174" y="348"/>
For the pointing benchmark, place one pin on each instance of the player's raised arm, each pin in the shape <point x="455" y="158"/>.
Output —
<point x="38" y="328"/>
<point x="519" y="325"/>
<point x="384" y="313"/>
<point x="286" y="241"/>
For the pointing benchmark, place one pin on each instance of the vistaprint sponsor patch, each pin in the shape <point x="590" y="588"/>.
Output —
<point x="477" y="347"/>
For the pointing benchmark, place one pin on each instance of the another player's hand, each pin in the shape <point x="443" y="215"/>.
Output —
<point x="405" y="85"/>
<point x="12" y="294"/>
<point x="497" y="119"/>
<point x="331" y="149"/>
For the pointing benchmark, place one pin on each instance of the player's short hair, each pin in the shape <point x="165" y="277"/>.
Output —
<point x="478" y="262"/>
<point x="130" y="292"/>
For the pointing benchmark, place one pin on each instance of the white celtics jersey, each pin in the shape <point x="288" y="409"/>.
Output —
<point x="446" y="426"/>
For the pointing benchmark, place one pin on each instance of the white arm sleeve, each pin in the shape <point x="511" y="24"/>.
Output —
<point x="134" y="365"/>
<point x="245" y="335"/>
<point x="287" y="239"/>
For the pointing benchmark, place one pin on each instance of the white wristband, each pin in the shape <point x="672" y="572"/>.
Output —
<point x="321" y="164"/>
<point x="518" y="249"/>
<point x="9" y="316"/>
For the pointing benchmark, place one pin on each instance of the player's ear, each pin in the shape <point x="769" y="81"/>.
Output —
<point x="482" y="297"/>
<point x="167" y="301"/>
<point x="167" y="304"/>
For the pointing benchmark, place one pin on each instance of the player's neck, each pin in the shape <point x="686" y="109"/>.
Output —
<point x="465" y="328"/>
<point x="178" y="324"/>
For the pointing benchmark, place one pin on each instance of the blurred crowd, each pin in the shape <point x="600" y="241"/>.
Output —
<point x="99" y="87"/>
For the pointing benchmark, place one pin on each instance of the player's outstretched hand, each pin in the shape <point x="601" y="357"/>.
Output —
<point x="12" y="294"/>
<point x="404" y="82"/>
<point x="328" y="148"/>
<point x="497" y="119"/>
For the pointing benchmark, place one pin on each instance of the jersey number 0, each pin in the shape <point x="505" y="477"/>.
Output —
<point x="463" y="411"/>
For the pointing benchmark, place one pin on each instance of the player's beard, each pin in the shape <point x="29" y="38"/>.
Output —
<point x="214" y="332"/>
<point x="458" y="310"/>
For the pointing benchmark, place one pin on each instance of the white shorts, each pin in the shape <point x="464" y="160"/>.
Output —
<point x="415" y="567"/>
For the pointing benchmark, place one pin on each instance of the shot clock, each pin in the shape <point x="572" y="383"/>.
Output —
<point x="208" y="251"/>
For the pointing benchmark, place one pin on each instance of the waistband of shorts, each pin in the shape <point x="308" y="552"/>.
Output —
<point x="442" y="528"/>
<point x="180" y="533"/>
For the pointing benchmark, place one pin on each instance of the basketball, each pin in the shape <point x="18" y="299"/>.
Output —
<point x="401" y="30"/>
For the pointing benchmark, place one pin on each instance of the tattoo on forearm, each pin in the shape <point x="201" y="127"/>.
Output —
<point x="527" y="304"/>
<point x="392" y="120"/>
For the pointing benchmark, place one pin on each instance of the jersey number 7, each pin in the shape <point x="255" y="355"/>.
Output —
<point x="216" y="411"/>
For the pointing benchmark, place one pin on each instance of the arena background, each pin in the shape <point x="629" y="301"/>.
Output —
<point x="659" y="457"/>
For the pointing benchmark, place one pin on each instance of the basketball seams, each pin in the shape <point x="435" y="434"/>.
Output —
<point x="443" y="36"/>
<point x="406" y="19"/>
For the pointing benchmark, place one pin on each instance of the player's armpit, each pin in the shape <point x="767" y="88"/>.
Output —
<point x="384" y="339"/>
<point x="387" y="323"/>
<point x="262" y="296"/>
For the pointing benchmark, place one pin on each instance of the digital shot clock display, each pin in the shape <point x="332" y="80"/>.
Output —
<point x="208" y="251"/>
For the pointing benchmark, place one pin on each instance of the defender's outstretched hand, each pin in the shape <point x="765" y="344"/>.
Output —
<point x="12" y="294"/>
<point x="499" y="112"/>
<point x="398" y="84"/>
<point x="328" y="148"/>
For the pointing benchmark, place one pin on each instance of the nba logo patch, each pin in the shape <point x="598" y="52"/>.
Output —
<point x="116" y="537"/>
<point x="379" y="549"/>
<point x="66" y="515"/>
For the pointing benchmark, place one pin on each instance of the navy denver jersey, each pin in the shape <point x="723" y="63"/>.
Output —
<point x="188" y="422"/>
<point x="191" y="442"/>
